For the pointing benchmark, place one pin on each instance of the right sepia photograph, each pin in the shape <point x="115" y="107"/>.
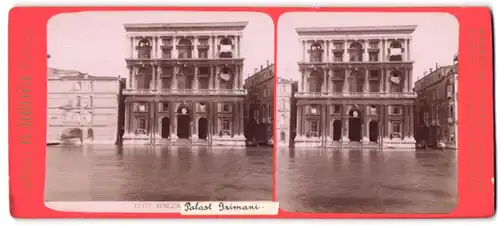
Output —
<point x="366" y="112"/>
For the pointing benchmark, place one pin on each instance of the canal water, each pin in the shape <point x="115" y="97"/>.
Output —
<point x="133" y="173"/>
<point x="369" y="181"/>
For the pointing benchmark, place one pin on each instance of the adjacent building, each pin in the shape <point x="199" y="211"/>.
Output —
<point x="259" y="115"/>
<point x="185" y="84"/>
<point x="356" y="87"/>
<point x="285" y="111"/>
<point x="82" y="108"/>
<point x="436" y="107"/>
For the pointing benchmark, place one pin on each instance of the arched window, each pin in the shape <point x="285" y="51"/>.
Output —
<point x="226" y="48"/>
<point x="316" y="52"/>
<point x="226" y="78"/>
<point x="396" y="51"/>
<point x="185" y="47"/>
<point x="315" y="81"/>
<point x="144" y="49"/>
<point x="355" y="52"/>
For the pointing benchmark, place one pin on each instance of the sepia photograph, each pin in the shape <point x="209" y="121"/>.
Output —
<point x="366" y="112"/>
<point x="160" y="106"/>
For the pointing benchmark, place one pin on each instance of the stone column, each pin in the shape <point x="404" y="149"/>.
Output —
<point x="345" y="56"/>
<point x="407" y="122"/>
<point x="216" y="119"/>
<point x="194" y="106"/>
<point x="325" y="51"/>
<point x="130" y="76"/>
<point x="241" y="124"/>
<point x="345" y="89"/>
<point x="365" y="85"/>
<point x="408" y="57"/>
<point x="134" y="77"/>
<point x="410" y="79"/>
<point x="299" y="121"/>
<point x="210" y="47"/>
<point x="381" y="80"/>
<point x="131" y="38"/>
<point x="405" y="81"/>
<point x="153" y="78"/>
<point x="238" y="46"/>
<point x="211" y="78"/>
<point x="155" y="47"/>
<point x="158" y="47"/>
<point x="174" y="78"/>
<point x="327" y="122"/>
<point x="126" y="128"/>
<point x="365" y="52"/>
<point x="195" y="46"/>
<point x="158" y="78"/>
<point x="235" y="78"/>
<point x="383" y="51"/>
<point x="174" y="48"/>
<point x="217" y="78"/>
<point x="365" y="121"/>
<point x="345" y="124"/>
<point x="301" y="81"/>
<point x="173" y="119"/>
<point x="325" y="81"/>
<point x="412" y="123"/>
<point x="240" y="77"/>
<point x="304" y="51"/>
<point x="195" y="80"/>
<point x="386" y="121"/>
<point x="330" y="81"/>
<point x="386" y="77"/>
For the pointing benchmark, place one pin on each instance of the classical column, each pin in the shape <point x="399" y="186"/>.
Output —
<point x="174" y="78"/>
<point x="172" y="119"/>
<point x="325" y="80"/>
<point x="195" y="48"/>
<point x="195" y="80"/>
<point x="304" y="51"/>
<point x="405" y="81"/>
<point x="241" y="124"/>
<point x="235" y="78"/>
<point x="345" y="124"/>
<point x="386" y="121"/>
<point x="325" y="51"/>
<point x="345" y="89"/>
<point x="330" y="81"/>
<point x="386" y="77"/>
<point x="158" y="47"/>
<point x="153" y="78"/>
<point x="158" y="120"/>
<point x="381" y="80"/>
<point x="365" y="52"/>
<point x="211" y="78"/>
<point x="345" y="56"/>
<point x="217" y="78"/>
<point x="131" y="38"/>
<point x="365" y="121"/>
<point x="301" y="80"/>
<point x="127" y="118"/>
<point x="174" y="48"/>
<point x="134" y="77"/>
<point x="238" y="46"/>
<point x="194" y="106"/>
<point x="213" y="47"/>
<point x="299" y="120"/>
<point x="130" y="76"/>
<point x="327" y="122"/>
<point x="412" y="123"/>
<point x="240" y="77"/>
<point x="365" y="85"/>
<point x="155" y="47"/>
<point x="158" y="78"/>
<point x="408" y="57"/>
<point x="383" y="50"/>
<point x="410" y="80"/>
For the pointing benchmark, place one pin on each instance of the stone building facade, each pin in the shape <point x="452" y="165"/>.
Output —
<point x="259" y="104"/>
<point x="185" y="84"/>
<point x="436" y="107"/>
<point x="356" y="87"/>
<point x="81" y="108"/>
<point x="284" y="111"/>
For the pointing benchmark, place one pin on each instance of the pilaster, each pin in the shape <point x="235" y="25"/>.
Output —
<point x="345" y="124"/>
<point x="194" y="120"/>
<point x="365" y="84"/>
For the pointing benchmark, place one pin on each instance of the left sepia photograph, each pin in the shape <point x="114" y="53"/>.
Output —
<point x="159" y="106"/>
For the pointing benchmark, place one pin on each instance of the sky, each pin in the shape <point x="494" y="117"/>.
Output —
<point x="435" y="40"/>
<point x="96" y="43"/>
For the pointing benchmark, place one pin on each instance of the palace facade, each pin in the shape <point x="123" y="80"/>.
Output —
<point x="436" y="107"/>
<point x="81" y="108"/>
<point x="185" y="84"/>
<point x="355" y="87"/>
<point x="259" y="116"/>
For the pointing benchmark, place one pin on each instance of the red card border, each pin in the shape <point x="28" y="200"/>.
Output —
<point x="27" y="56"/>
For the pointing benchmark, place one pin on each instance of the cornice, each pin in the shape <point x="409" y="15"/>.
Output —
<point x="403" y="29"/>
<point x="236" y="26"/>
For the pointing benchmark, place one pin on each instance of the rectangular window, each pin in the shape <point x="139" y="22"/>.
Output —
<point x="203" y="54"/>
<point x="226" y="125"/>
<point x="336" y="109"/>
<point x="142" y="125"/>
<point x="396" y="110"/>
<point x="338" y="57"/>
<point x="78" y="101"/>
<point x="314" y="110"/>
<point x="164" y="107"/>
<point x="314" y="128"/>
<point x="226" y="108"/>
<point x="396" y="127"/>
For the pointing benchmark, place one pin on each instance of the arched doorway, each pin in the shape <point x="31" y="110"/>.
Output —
<point x="354" y="125"/>
<point x="165" y="127"/>
<point x="202" y="128"/>
<point x="183" y="123"/>
<point x="337" y="130"/>
<point x="373" y="126"/>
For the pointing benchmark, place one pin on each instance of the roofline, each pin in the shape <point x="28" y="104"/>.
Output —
<point x="400" y="28"/>
<point x="433" y="72"/>
<point x="237" y="25"/>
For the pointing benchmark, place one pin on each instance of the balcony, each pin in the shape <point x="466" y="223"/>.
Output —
<point x="342" y="95"/>
<point x="191" y="92"/>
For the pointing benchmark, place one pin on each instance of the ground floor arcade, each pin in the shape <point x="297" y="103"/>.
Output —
<point x="334" y="124"/>
<point x="181" y="121"/>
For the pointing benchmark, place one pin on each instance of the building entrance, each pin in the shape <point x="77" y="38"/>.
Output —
<point x="183" y="123"/>
<point x="354" y="125"/>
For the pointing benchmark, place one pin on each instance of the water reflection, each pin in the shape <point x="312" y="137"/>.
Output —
<point x="144" y="173"/>
<point x="369" y="181"/>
